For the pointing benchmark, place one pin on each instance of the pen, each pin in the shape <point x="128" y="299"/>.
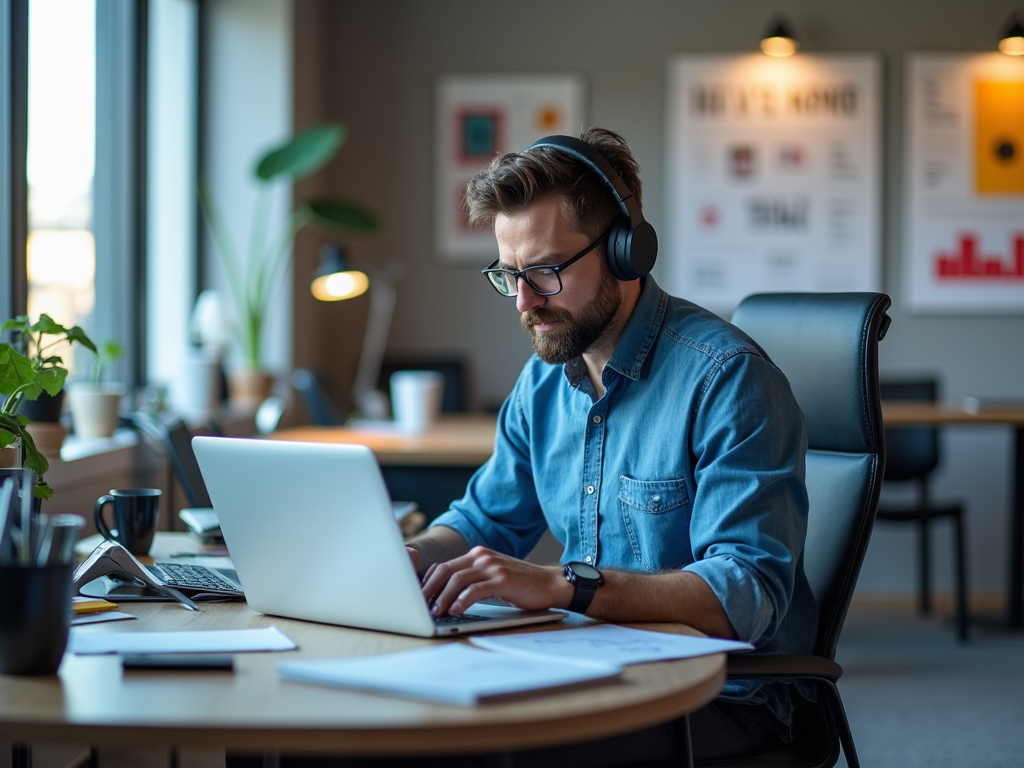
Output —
<point x="210" y="553"/>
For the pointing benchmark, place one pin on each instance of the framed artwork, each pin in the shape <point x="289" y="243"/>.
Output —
<point x="773" y="176"/>
<point x="477" y="118"/>
<point x="964" y="153"/>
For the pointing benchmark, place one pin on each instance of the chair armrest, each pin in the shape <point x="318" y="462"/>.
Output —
<point x="745" y="665"/>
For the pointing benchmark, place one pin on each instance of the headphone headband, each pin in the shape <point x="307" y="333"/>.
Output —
<point x="632" y="243"/>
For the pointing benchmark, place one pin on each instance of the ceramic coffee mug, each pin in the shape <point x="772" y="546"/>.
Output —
<point x="135" y="517"/>
<point x="416" y="399"/>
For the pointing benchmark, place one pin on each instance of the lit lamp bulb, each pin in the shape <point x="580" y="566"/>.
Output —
<point x="779" y="41"/>
<point x="335" y="279"/>
<point x="1012" y="43"/>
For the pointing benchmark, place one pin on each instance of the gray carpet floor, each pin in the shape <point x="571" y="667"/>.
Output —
<point x="917" y="697"/>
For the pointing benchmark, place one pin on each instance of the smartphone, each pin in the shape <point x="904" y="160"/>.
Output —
<point x="178" y="661"/>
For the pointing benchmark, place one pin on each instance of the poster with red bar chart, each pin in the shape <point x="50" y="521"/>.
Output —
<point x="773" y="170"/>
<point x="965" y="174"/>
<point x="477" y="118"/>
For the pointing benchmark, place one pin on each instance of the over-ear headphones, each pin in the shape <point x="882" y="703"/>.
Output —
<point x="632" y="244"/>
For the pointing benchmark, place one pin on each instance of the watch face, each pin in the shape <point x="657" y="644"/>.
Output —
<point x="584" y="571"/>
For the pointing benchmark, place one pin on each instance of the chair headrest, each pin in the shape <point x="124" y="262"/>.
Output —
<point x="833" y="372"/>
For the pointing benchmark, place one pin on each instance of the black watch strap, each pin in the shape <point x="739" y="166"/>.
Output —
<point x="582" y="597"/>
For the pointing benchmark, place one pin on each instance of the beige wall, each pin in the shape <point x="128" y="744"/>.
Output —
<point x="373" y="64"/>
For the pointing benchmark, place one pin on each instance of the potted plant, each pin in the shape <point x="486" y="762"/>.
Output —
<point x="254" y="277"/>
<point x="95" y="405"/>
<point x="28" y="369"/>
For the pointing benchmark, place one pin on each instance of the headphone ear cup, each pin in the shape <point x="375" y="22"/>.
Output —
<point x="617" y="250"/>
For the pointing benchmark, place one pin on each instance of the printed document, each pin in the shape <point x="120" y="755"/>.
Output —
<point x="608" y="644"/>
<point x="453" y="673"/>
<point x="203" y="641"/>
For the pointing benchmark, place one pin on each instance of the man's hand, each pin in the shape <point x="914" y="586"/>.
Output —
<point x="455" y="585"/>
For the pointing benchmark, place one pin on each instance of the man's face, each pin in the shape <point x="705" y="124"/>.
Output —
<point x="565" y="325"/>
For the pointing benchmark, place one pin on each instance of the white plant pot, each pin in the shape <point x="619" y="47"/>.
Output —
<point x="95" y="409"/>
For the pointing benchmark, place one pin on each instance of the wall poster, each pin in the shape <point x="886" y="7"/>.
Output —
<point x="478" y="117"/>
<point x="773" y="176"/>
<point x="965" y="183"/>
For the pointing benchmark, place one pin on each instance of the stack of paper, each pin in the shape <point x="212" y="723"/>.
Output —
<point x="208" y="641"/>
<point x="459" y="674"/>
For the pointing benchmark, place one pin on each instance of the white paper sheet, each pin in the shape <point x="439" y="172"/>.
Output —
<point x="453" y="673"/>
<point x="97" y="618"/>
<point x="213" y="641"/>
<point x="608" y="644"/>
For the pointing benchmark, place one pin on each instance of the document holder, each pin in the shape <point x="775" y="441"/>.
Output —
<point x="111" y="558"/>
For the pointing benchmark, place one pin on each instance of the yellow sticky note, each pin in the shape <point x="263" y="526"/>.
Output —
<point x="999" y="137"/>
<point x="90" y="605"/>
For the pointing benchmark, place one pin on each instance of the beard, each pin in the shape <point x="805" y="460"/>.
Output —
<point x="579" y="332"/>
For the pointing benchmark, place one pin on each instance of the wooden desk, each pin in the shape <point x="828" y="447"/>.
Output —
<point x="456" y="440"/>
<point x="905" y="414"/>
<point x="93" y="701"/>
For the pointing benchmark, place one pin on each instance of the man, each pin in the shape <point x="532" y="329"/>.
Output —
<point x="657" y="442"/>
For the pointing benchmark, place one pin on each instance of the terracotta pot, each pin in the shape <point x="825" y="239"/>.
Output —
<point x="247" y="389"/>
<point x="48" y="436"/>
<point x="10" y="457"/>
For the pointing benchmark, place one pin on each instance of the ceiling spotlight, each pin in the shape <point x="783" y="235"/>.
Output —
<point x="1012" y="40"/>
<point x="779" y="40"/>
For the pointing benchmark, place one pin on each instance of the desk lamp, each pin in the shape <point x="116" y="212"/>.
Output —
<point x="779" y="41"/>
<point x="1012" y="40"/>
<point x="338" y="278"/>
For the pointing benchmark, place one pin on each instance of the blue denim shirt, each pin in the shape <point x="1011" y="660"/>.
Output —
<point x="693" y="459"/>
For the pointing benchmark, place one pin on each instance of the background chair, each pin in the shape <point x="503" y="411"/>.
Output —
<point x="176" y="439"/>
<point x="322" y="412"/>
<point x="827" y="345"/>
<point x="912" y="456"/>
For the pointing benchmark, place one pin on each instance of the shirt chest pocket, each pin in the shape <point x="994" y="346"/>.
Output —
<point x="656" y="516"/>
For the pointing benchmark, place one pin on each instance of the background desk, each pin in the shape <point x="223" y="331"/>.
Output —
<point x="904" y="414"/>
<point x="94" y="701"/>
<point x="430" y="468"/>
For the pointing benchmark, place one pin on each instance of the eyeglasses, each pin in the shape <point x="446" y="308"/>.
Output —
<point x="544" y="280"/>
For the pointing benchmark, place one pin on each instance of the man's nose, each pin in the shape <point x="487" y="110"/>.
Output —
<point x="527" y="298"/>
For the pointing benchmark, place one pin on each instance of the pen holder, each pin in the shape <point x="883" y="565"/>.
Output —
<point x="35" y="616"/>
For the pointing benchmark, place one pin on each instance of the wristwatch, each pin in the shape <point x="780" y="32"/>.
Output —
<point x="586" y="579"/>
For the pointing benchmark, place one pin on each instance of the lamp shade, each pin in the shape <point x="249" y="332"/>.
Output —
<point x="336" y="279"/>
<point x="778" y="40"/>
<point x="1012" y="40"/>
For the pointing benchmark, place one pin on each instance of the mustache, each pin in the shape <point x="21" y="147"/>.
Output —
<point x="535" y="316"/>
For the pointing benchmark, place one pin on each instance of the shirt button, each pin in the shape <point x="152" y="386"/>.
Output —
<point x="590" y="489"/>
<point x="587" y="559"/>
<point x="597" y="419"/>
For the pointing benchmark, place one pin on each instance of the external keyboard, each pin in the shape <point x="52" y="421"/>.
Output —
<point x="195" y="577"/>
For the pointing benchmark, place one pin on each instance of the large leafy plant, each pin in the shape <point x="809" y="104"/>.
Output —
<point x="253" y="278"/>
<point x="27" y="369"/>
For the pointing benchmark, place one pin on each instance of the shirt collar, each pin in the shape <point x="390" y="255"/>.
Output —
<point x="638" y="338"/>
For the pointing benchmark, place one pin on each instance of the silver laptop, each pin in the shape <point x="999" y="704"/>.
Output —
<point x="312" y="536"/>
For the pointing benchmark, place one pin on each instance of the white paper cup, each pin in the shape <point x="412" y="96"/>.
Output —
<point x="416" y="399"/>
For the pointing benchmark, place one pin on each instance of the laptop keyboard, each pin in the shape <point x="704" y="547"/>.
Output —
<point x="196" y="577"/>
<point x="465" y="618"/>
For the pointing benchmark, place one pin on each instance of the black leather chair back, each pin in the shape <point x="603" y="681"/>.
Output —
<point x="827" y="345"/>
<point x="176" y="439"/>
<point x="322" y="412"/>
<point x="912" y="453"/>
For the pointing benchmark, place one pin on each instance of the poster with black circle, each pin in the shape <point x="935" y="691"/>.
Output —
<point x="964" y="153"/>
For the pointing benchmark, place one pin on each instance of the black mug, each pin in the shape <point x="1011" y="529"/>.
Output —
<point x="135" y="515"/>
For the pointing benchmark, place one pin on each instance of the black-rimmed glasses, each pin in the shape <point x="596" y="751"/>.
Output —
<point x="543" y="279"/>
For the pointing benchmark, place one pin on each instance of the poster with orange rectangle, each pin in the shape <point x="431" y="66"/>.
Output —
<point x="999" y="137"/>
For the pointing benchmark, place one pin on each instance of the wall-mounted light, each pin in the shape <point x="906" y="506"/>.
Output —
<point x="1011" y="41"/>
<point x="779" y="40"/>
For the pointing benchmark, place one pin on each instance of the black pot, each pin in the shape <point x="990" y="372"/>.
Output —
<point x="35" y="615"/>
<point x="44" y="408"/>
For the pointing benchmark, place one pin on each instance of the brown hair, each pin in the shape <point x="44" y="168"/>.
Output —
<point x="515" y="181"/>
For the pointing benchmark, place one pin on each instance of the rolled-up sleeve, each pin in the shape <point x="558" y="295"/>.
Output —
<point x="500" y="509"/>
<point x="750" y="511"/>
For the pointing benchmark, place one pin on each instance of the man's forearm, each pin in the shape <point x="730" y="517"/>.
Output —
<point x="437" y="545"/>
<point x="678" y="596"/>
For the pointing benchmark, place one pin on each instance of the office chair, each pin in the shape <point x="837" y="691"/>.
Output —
<point x="827" y="345"/>
<point x="176" y="439"/>
<point x="322" y="412"/>
<point x="913" y="454"/>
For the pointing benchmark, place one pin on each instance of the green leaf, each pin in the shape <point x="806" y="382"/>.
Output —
<point x="52" y="380"/>
<point x="15" y="369"/>
<point x="46" y="324"/>
<point x="76" y="334"/>
<point x="42" y="491"/>
<point x="304" y="154"/>
<point x="343" y="214"/>
<point x="19" y="323"/>
<point x="6" y="437"/>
